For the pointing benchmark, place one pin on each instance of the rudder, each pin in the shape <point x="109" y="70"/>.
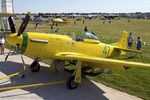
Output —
<point x="123" y="41"/>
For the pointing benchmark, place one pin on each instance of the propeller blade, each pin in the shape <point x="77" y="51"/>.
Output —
<point x="12" y="25"/>
<point x="24" y="24"/>
<point x="8" y="53"/>
<point x="7" y="56"/>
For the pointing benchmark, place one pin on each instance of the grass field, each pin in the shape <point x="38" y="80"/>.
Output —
<point x="134" y="81"/>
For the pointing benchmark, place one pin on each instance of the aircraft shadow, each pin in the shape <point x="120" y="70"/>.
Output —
<point x="86" y="91"/>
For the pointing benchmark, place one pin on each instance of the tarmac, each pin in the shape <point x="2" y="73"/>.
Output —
<point x="87" y="90"/>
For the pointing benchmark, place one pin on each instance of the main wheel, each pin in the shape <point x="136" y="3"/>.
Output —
<point x="71" y="84"/>
<point x="35" y="66"/>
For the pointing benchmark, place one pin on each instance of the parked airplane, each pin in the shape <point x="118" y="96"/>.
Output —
<point x="60" y="21"/>
<point x="41" y="20"/>
<point x="85" y="49"/>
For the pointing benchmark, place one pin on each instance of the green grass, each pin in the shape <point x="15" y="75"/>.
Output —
<point x="135" y="81"/>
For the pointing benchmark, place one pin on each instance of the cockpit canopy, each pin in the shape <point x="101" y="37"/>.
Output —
<point x="86" y="35"/>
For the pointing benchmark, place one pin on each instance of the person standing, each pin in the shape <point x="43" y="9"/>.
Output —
<point x="83" y="21"/>
<point x="57" y="29"/>
<point x="52" y="28"/>
<point x="103" y="21"/>
<point x="85" y="29"/>
<point x="109" y="21"/>
<point x="2" y="41"/>
<point x="130" y="40"/>
<point x="139" y="45"/>
<point x="36" y="25"/>
<point x="74" y="22"/>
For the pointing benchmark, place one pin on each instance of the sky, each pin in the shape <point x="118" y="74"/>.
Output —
<point x="58" y="6"/>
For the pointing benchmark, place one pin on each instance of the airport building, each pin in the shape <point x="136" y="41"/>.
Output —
<point x="7" y="7"/>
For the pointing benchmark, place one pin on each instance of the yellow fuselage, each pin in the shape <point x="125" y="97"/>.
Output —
<point x="47" y="45"/>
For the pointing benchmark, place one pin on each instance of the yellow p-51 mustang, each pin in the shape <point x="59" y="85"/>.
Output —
<point x="85" y="49"/>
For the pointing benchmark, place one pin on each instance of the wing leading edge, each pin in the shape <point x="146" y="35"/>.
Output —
<point x="103" y="61"/>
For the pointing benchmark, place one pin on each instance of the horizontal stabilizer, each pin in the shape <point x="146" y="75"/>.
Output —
<point x="128" y="50"/>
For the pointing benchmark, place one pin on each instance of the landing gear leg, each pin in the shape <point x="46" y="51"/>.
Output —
<point x="75" y="79"/>
<point x="24" y="66"/>
<point x="35" y="66"/>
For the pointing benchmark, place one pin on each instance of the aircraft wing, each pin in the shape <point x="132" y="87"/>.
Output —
<point x="100" y="61"/>
<point x="127" y="50"/>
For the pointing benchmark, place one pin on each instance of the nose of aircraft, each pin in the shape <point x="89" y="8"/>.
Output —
<point x="14" y="40"/>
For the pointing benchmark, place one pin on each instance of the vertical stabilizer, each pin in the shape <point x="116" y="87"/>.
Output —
<point x="123" y="41"/>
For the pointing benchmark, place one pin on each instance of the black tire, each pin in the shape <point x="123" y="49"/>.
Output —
<point x="71" y="84"/>
<point x="35" y="66"/>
